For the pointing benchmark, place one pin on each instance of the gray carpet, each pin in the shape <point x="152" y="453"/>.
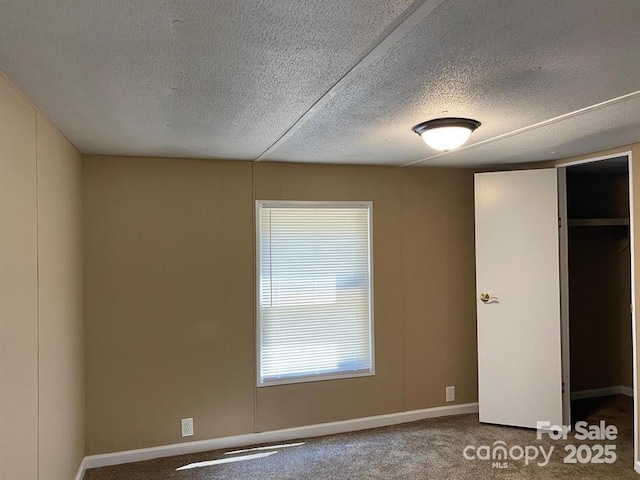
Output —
<point x="428" y="449"/>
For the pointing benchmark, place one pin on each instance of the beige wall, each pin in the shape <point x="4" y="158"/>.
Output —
<point x="60" y="297"/>
<point x="169" y="296"/>
<point x="18" y="287"/>
<point x="41" y="359"/>
<point x="168" y="300"/>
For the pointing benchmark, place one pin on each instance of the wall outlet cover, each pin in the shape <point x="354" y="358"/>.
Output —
<point x="187" y="427"/>
<point x="451" y="394"/>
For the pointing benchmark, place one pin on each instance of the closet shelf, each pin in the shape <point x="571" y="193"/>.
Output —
<point x="598" y="222"/>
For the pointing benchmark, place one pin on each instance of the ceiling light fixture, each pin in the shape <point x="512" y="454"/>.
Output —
<point x="446" y="134"/>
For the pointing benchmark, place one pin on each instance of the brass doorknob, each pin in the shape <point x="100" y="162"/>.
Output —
<point x="485" y="297"/>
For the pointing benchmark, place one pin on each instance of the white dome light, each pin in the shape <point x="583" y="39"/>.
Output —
<point x="446" y="134"/>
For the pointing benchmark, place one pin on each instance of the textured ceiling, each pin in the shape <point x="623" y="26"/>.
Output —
<point x="120" y="77"/>
<point x="330" y="81"/>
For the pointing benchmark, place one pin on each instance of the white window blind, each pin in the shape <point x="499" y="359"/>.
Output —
<point x="314" y="291"/>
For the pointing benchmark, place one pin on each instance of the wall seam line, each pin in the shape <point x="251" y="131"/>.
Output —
<point x="106" y="306"/>
<point x="225" y="317"/>
<point x="402" y="299"/>
<point x="202" y="274"/>
<point x="255" y="299"/>
<point x="37" y="302"/>
<point x="140" y="322"/>
<point x="163" y="187"/>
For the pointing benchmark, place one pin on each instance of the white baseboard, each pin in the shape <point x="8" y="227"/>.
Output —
<point x="117" y="458"/>
<point x="81" y="469"/>
<point x="602" y="392"/>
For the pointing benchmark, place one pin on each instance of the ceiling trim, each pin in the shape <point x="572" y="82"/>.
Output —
<point x="528" y="128"/>
<point x="397" y="34"/>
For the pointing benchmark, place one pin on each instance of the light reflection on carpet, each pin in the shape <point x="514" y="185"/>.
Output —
<point x="225" y="460"/>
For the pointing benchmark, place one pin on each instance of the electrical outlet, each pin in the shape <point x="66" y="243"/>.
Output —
<point x="451" y="394"/>
<point x="187" y="427"/>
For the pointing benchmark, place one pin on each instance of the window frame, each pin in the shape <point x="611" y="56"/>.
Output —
<point x="257" y="296"/>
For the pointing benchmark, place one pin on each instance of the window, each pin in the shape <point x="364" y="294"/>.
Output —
<point x="314" y="291"/>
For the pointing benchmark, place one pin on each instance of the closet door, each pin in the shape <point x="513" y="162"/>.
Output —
<point x="517" y="277"/>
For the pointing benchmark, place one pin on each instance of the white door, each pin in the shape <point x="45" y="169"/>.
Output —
<point x="517" y="265"/>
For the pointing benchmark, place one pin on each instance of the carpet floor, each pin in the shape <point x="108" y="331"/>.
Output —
<point x="428" y="449"/>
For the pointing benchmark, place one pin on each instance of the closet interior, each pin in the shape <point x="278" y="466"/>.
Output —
<point x="599" y="258"/>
